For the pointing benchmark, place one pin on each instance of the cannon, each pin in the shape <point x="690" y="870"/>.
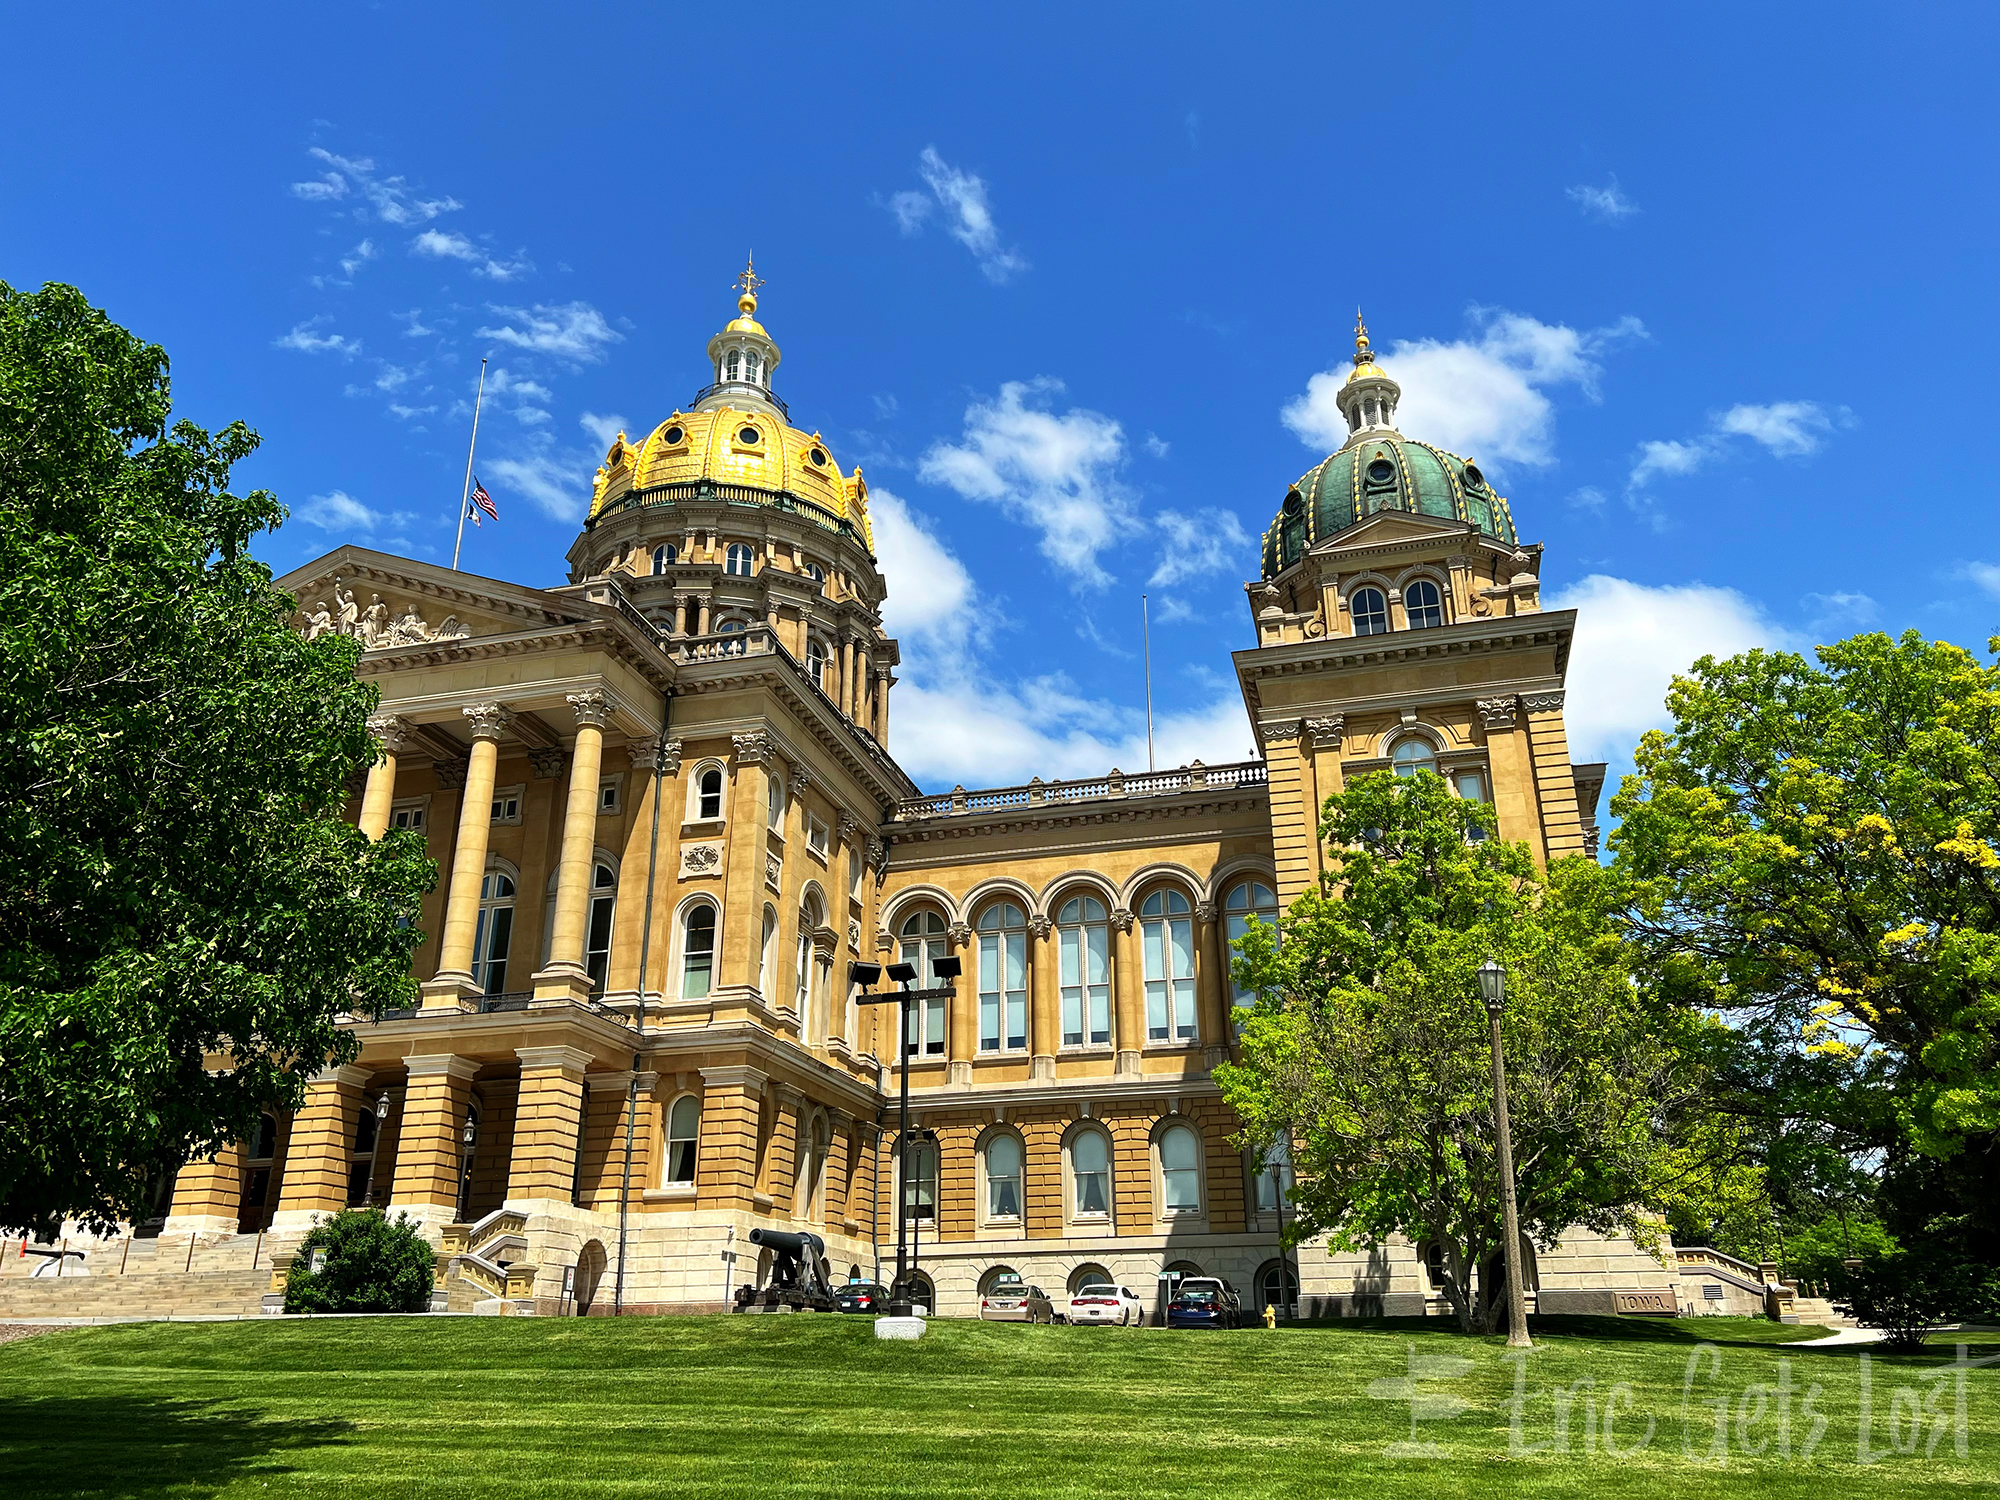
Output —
<point x="798" y="1274"/>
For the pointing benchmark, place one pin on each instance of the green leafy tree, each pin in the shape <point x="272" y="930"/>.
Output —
<point x="1814" y="851"/>
<point x="362" y="1261"/>
<point x="1369" y="1045"/>
<point x="179" y="889"/>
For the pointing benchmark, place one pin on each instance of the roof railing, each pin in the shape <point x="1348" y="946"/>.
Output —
<point x="958" y="802"/>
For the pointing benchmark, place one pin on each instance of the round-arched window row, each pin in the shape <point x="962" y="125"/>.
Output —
<point x="1423" y="608"/>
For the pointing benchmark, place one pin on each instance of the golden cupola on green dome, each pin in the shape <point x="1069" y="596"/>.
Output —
<point x="1379" y="469"/>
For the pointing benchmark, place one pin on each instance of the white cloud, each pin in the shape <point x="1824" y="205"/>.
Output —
<point x="405" y="413"/>
<point x="1785" y="429"/>
<point x="325" y="189"/>
<point x="1484" y="396"/>
<point x="968" y="216"/>
<point x="602" y="429"/>
<point x="415" y="318"/>
<point x="931" y="604"/>
<point x="1631" y="640"/>
<point x="574" y="331"/>
<point x="1589" y="498"/>
<point x="1209" y="541"/>
<point x="441" y="244"/>
<point x="390" y="197"/>
<point x="305" y="340"/>
<point x="1607" y="204"/>
<point x="1985" y="575"/>
<point x="1827" y="613"/>
<point x="548" y="479"/>
<point x="359" y="256"/>
<point x="339" y="511"/>
<point x="1155" y="445"/>
<point x="392" y="377"/>
<point x="1057" y="473"/>
<point x="503" y="382"/>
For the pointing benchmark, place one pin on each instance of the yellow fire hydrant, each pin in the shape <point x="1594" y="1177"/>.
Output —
<point x="1270" y="1316"/>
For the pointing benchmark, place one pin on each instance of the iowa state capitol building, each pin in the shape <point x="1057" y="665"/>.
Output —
<point x="678" y="761"/>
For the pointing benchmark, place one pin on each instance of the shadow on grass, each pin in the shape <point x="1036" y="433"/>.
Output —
<point x="135" y="1445"/>
<point x="1604" y="1327"/>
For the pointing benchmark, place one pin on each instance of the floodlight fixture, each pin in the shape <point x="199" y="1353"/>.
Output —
<point x="863" y="974"/>
<point x="902" y="973"/>
<point x="948" y="966"/>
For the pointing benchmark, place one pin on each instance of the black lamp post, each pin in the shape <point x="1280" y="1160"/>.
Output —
<point x="947" y="968"/>
<point x="469" y="1136"/>
<point x="1493" y="987"/>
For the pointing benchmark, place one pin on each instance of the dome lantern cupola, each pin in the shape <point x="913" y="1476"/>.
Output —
<point x="1368" y="400"/>
<point x="743" y="357"/>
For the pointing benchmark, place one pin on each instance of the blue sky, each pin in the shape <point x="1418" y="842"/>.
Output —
<point x="1710" y="293"/>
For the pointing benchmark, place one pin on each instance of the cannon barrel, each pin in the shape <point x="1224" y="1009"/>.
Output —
<point x="786" y="1242"/>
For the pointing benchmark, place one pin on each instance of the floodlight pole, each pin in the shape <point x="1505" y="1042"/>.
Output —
<point x="899" y="1293"/>
<point x="1493" y="988"/>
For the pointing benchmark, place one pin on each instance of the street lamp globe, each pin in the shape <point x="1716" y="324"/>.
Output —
<point x="1493" y="986"/>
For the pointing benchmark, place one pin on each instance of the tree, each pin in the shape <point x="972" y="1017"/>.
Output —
<point x="1369" y="1043"/>
<point x="1815" y="852"/>
<point x="362" y="1261"/>
<point x="179" y="889"/>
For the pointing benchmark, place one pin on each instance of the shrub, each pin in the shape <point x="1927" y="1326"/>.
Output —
<point x="1909" y="1293"/>
<point x="367" y="1264"/>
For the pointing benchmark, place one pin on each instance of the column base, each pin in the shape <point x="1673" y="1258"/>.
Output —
<point x="451" y="990"/>
<point x="288" y="1221"/>
<point x="1127" y="1065"/>
<point x="1042" y="1069"/>
<point x="958" y="1074"/>
<point x="199" y="1226"/>
<point x="561" y="984"/>
<point x="430" y="1217"/>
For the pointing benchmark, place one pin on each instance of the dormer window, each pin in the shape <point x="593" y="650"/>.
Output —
<point x="1369" y="611"/>
<point x="1423" y="605"/>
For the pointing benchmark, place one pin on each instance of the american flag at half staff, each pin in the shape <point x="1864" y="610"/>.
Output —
<point x="483" y="500"/>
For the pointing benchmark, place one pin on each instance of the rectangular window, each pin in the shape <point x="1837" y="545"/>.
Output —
<point x="1003" y="990"/>
<point x="1085" y="977"/>
<point x="412" y="814"/>
<point x="507" y="805"/>
<point x="816" y="836"/>
<point x="610" y="794"/>
<point x="1169" y="956"/>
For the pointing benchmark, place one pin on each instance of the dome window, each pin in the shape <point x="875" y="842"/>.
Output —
<point x="674" y="435"/>
<point x="734" y="365"/>
<point x="1294" y="503"/>
<point x="749" y="437"/>
<point x="663" y="558"/>
<point x="750" y="367"/>
<point x="1474" y="478"/>
<point x="1382" y="472"/>
<point x="740" y="562"/>
<point x="815" y="572"/>
<point x="1369" y="611"/>
<point x="1423" y="604"/>
<point x="818" y="455"/>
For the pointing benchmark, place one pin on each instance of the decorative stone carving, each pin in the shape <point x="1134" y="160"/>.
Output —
<point x="590" y="706"/>
<point x="451" y="773"/>
<point x="670" y="757"/>
<point x="1325" y="734"/>
<point x="751" y="749"/>
<point x="1040" y="926"/>
<point x="548" y="764"/>
<point x="774" y="871"/>
<point x="700" y="859"/>
<point x="958" y="934"/>
<point x="1285" y="729"/>
<point x="1114" y="784"/>
<point x="802" y="776"/>
<point x="645" y="754"/>
<point x="487" y="721"/>
<point x="958" y="802"/>
<point x="378" y="626"/>
<point x="1542" y="703"/>
<point x="847" y="826"/>
<point x="853" y="935"/>
<point x="1036" y="795"/>
<point x="1497" y="713"/>
<point x="1197" y="773"/>
<point x="876" y="850"/>
<point x="1204" y="911"/>
<point x="390" y="732"/>
<point x="1121" y="918"/>
<point x="885" y="941"/>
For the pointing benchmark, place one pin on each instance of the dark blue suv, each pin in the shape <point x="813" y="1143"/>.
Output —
<point x="1204" y="1302"/>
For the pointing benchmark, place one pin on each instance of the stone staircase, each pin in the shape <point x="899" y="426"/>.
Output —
<point x="482" y="1268"/>
<point x="150" y="1278"/>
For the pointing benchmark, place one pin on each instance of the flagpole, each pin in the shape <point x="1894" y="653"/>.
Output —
<point x="465" y="499"/>
<point x="1146" y="634"/>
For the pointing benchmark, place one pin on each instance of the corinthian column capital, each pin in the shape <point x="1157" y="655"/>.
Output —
<point x="390" y="732"/>
<point x="591" y="707"/>
<point x="487" y="721"/>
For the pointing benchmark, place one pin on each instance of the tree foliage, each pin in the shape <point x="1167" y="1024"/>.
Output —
<point x="1815" y="852"/>
<point x="1369" y="1045"/>
<point x="179" y="890"/>
<point x="367" y="1263"/>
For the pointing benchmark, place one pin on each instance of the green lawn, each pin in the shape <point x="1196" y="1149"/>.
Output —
<point x="813" y="1405"/>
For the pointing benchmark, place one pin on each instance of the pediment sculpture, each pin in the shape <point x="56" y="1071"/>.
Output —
<point x="378" y="626"/>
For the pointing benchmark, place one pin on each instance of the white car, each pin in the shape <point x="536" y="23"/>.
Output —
<point x="1101" y="1302"/>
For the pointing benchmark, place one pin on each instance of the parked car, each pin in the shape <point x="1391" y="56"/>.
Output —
<point x="1204" y="1302"/>
<point x="861" y="1297"/>
<point x="1016" y="1302"/>
<point x="1101" y="1302"/>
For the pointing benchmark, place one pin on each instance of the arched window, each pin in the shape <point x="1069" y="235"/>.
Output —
<point x="735" y="644"/>
<point x="1471" y="785"/>
<point x="364" y="1131"/>
<point x="1003" y="977"/>
<point x="803" y="996"/>
<point x="1423" y="605"/>
<point x="707" y="794"/>
<point x="1167" y="938"/>
<point x="739" y="560"/>
<point x="922" y="1294"/>
<point x="664" y="557"/>
<point x="1252" y="901"/>
<point x="683" y="1138"/>
<point x="750" y="366"/>
<point x="812" y="1170"/>
<point x="734" y="364"/>
<point x="923" y="943"/>
<point x="921" y="1189"/>
<point x="1412" y="754"/>
<point x="1369" y="611"/>
<point x="266" y="1145"/>
<point x="816" y="662"/>
<point x="597" y="934"/>
<point x="1278" y="1287"/>
<point x="994" y="1276"/>
<point x="1083" y="948"/>
<point x="1088" y="1274"/>
<point x="767" y="950"/>
<point x="494" y="935"/>
<point x="1090" y="1174"/>
<point x="697" y="950"/>
<point x="1432" y="1255"/>
<point x="815" y="572"/>
<point x="774" y="802"/>
<point x="1003" y="1178"/>
<point x="1274" y="1179"/>
<point x="1179" y="1151"/>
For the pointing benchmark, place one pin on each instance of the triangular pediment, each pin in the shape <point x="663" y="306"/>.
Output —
<point x="391" y="601"/>
<point x="1389" y="527"/>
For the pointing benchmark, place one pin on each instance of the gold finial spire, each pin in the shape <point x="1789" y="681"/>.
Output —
<point x="747" y="284"/>
<point x="1362" y="354"/>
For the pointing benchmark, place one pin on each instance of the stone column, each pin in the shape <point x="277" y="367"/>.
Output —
<point x="738" y="940"/>
<point x="701" y="615"/>
<point x="389" y="734"/>
<point x="732" y="1106"/>
<point x="547" y="1122"/>
<point x="564" y="978"/>
<point x="961" y="1022"/>
<point x="208" y="1196"/>
<point x="781" y="1158"/>
<point x="318" y="1156"/>
<point x="1044" y="1001"/>
<point x="622" y="976"/>
<point x="1128" y="993"/>
<point x="453" y="983"/>
<point x="430" y="1147"/>
<point x="1211" y="984"/>
<point x="882" y="708"/>
<point x="1515" y="797"/>
<point x="611" y="1110"/>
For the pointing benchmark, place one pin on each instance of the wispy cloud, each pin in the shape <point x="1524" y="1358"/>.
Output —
<point x="1986" y="576"/>
<point x="440" y="244"/>
<point x="1485" y="396"/>
<point x="1057" y="472"/>
<point x="1606" y="205"/>
<point x="1784" y="429"/>
<point x="339" y="511"/>
<point x="602" y="428"/>
<point x="573" y="331"/>
<point x="306" y="340"/>
<point x="390" y="199"/>
<point x="1827" y="614"/>
<point x="961" y="198"/>
<point x="1209" y="541"/>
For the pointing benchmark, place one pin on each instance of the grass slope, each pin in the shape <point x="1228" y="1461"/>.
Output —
<point x="815" y="1406"/>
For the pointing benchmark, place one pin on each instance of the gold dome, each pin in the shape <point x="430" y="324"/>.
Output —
<point x="1365" y="367"/>
<point x="731" y="446"/>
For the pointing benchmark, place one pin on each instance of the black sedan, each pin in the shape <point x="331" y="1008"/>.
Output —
<point x="861" y="1297"/>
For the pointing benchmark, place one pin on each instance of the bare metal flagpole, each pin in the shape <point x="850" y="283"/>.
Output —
<point x="465" y="500"/>
<point x="1146" y="631"/>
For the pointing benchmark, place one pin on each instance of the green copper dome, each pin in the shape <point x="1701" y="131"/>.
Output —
<point x="1382" y="471"/>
